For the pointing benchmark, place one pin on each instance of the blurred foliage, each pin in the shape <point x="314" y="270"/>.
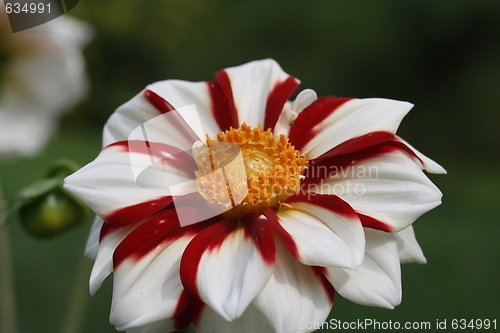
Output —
<point x="442" y="56"/>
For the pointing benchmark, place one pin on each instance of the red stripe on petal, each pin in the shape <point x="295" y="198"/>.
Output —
<point x="192" y="208"/>
<point x="287" y="239"/>
<point x="160" y="229"/>
<point x="304" y="127"/>
<point x="257" y="228"/>
<point x="320" y="274"/>
<point x="219" y="106"/>
<point x="276" y="100"/>
<point x="342" y="165"/>
<point x="137" y="213"/>
<point x="175" y="118"/>
<point x="146" y="237"/>
<point x="359" y="143"/>
<point x="106" y="229"/>
<point x="158" y="102"/>
<point x="168" y="155"/>
<point x="225" y="85"/>
<point x="188" y="310"/>
<point x="197" y="308"/>
<point x="209" y="239"/>
<point x="329" y="202"/>
<point x="402" y="146"/>
<point x="182" y="316"/>
<point x="399" y="145"/>
<point x="370" y="222"/>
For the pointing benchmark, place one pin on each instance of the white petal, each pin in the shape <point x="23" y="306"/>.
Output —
<point x="251" y="321"/>
<point x="148" y="289"/>
<point x="305" y="98"/>
<point x="352" y="119"/>
<point x="147" y="286"/>
<point x="107" y="184"/>
<point x="283" y="125"/>
<point x="294" y="294"/>
<point x="377" y="282"/>
<point x="15" y="123"/>
<point x="387" y="186"/>
<point x="409" y="250"/>
<point x="182" y="93"/>
<point x="93" y="241"/>
<point x="140" y="119"/>
<point x="427" y="164"/>
<point x="292" y="109"/>
<point x="251" y="85"/>
<point x="103" y="264"/>
<point x="46" y="72"/>
<point x="318" y="245"/>
<point x="338" y="217"/>
<point x="161" y="326"/>
<point x="44" y="78"/>
<point x="231" y="269"/>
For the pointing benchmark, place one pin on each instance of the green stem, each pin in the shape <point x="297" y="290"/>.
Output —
<point x="79" y="299"/>
<point x="8" y="322"/>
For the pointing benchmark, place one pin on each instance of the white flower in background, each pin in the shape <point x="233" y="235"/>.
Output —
<point x="42" y="74"/>
<point x="272" y="261"/>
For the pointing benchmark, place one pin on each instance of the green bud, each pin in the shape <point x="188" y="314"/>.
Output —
<point x="62" y="168"/>
<point x="45" y="208"/>
<point x="52" y="213"/>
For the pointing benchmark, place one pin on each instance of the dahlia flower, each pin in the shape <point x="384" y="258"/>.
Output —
<point x="42" y="74"/>
<point x="330" y="197"/>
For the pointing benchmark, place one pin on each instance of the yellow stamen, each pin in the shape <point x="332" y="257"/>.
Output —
<point x="272" y="171"/>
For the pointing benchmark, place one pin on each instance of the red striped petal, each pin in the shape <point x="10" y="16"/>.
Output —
<point x="167" y="154"/>
<point x="287" y="239"/>
<point x="321" y="230"/>
<point x="225" y="85"/>
<point x="370" y="222"/>
<point x="320" y="274"/>
<point x="304" y="127"/>
<point x="257" y="228"/>
<point x="161" y="228"/>
<point x="188" y="310"/>
<point x="277" y="98"/>
<point x="330" y="202"/>
<point x="137" y="213"/>
<point x="256" y="92"/>
<point x="158" y="102"/>
<point x="342" y="164"/>
<point x="382" y="183"/>
<point x="210" y="241"/>
<point x="220" y="106"/>
<point x="175" y="118"/>
<point x="359" y="143"/>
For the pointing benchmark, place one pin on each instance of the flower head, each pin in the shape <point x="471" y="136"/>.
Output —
<point x="42" y="74"/>
<point x="327" y="200"/>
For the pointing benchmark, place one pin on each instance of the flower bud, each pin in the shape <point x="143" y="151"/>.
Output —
<point x="52" y="213"/>
<point x="45" y="208"/>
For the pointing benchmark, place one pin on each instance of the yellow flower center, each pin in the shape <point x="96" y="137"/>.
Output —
<point x="246" y="170"/>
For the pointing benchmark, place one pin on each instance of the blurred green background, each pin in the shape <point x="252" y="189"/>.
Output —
<point x="442" y="56"/>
